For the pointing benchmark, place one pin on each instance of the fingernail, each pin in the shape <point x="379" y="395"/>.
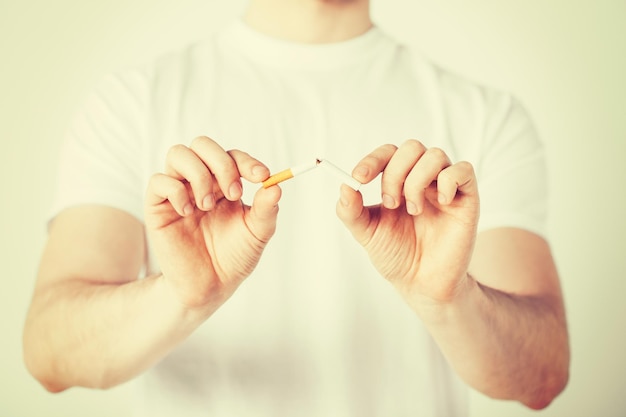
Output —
<point x="388" y="201"/>
<point x="362" y="172"/>
<point x="208" y="202"/>
<point x="188" y="209"/>
<point x="411" y="208"/>
<point x="258" y="171"/>
<point x="342" y="197"/>
<point x="441" y="198"/>
<point x="234" y="191"/>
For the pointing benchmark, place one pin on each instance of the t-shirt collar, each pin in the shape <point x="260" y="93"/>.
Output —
<point x="271" y="51"/>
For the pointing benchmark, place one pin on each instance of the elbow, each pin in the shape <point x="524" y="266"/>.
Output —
<point x="52" y="386"/>
<point x="551" y="387"/>
<point x="48" y="380"/>
<point x="54" y="376"/>
<point x="553" y="377"/>
<point x="40" y="365"/>
<point x="52" y="379"/>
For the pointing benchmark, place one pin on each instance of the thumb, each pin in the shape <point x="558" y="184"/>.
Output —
<point x="353" y="214"/>
<point x="261" y="218"/>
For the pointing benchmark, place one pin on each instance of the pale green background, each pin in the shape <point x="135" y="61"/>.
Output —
<point x="566" y="60"/>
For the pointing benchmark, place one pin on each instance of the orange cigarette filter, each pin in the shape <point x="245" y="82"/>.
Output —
<point x="289" y="173"/>
<point x="278" y="177"/>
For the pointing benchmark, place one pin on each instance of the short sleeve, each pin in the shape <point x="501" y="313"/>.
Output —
<point x="100" y="160"/>
<point x="512" y="171"/>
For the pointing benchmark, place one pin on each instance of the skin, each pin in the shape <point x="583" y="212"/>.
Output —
<point x="492" y="301"/>
<point x="309" y="21"/>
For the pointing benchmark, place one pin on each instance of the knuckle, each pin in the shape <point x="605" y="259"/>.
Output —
<point x="466" y="166"/>
<point x="380" y="155"/>
<point x="199" y="140"/>
<point x="389" y="147"/>
<point x="414" y="146"/>
<point x="237" y="152"/>
<point x="202" y="177"/>
<point x="392" y="182"/>
<point x="153" y="182"/>
<point x="240" y="157"/>
<point x="225" y="166"/>
<point x="437" y="153"/>
<point x="180" y="198"/>
<point x="177" y="191"/>
<point x="178" y="148"/>
<point x="445" y="177"/>
<point x="155" y="177"/>
<point x="413" y="189"/>
<point x="175" y="151"/>
<point x="162" y="184"/>
<point x="370" y="160"/>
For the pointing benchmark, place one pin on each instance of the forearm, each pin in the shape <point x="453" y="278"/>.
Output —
<point x="506" y="346"/>
<point x="99" y="335"/>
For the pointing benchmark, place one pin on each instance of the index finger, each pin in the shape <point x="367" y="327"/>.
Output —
<point x="220" y="164"/>
<point x="228" y="167"/>
<point x="374" y="163"/>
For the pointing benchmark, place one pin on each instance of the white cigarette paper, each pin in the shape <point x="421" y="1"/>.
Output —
<point x="289" y="173"/>
<point x="342" y="175"/>
<point x="301" y="169"/>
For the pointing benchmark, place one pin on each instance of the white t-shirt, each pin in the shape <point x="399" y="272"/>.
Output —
<point x="314" y="331"/>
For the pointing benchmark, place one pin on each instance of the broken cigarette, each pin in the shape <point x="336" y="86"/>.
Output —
<point x="289" y="173"/>
<point x="300" y="169"/>
<point x="342" y="175"/>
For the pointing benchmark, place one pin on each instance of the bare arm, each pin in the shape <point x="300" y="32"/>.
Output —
<point x="493" y="302"/>
<point x="505" y="331"/>
<point x="92" y="323"/>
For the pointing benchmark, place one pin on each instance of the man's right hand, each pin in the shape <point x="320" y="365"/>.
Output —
<point x="206" y="240"/>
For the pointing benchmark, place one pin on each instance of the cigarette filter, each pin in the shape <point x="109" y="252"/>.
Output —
<point x="289" y="173"/>
<point x="342" y="175"/>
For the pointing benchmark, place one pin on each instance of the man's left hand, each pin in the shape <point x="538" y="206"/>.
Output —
<point x="421" y="236"/>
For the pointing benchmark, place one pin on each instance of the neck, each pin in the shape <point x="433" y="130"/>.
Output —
<point x="309" y="21"/>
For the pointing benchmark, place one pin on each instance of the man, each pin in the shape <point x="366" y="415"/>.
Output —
<point x="241" y="310"/>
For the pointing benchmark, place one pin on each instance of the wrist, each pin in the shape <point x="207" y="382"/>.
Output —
<point x="188" y="313"/>
<point x="442" y="309"/>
